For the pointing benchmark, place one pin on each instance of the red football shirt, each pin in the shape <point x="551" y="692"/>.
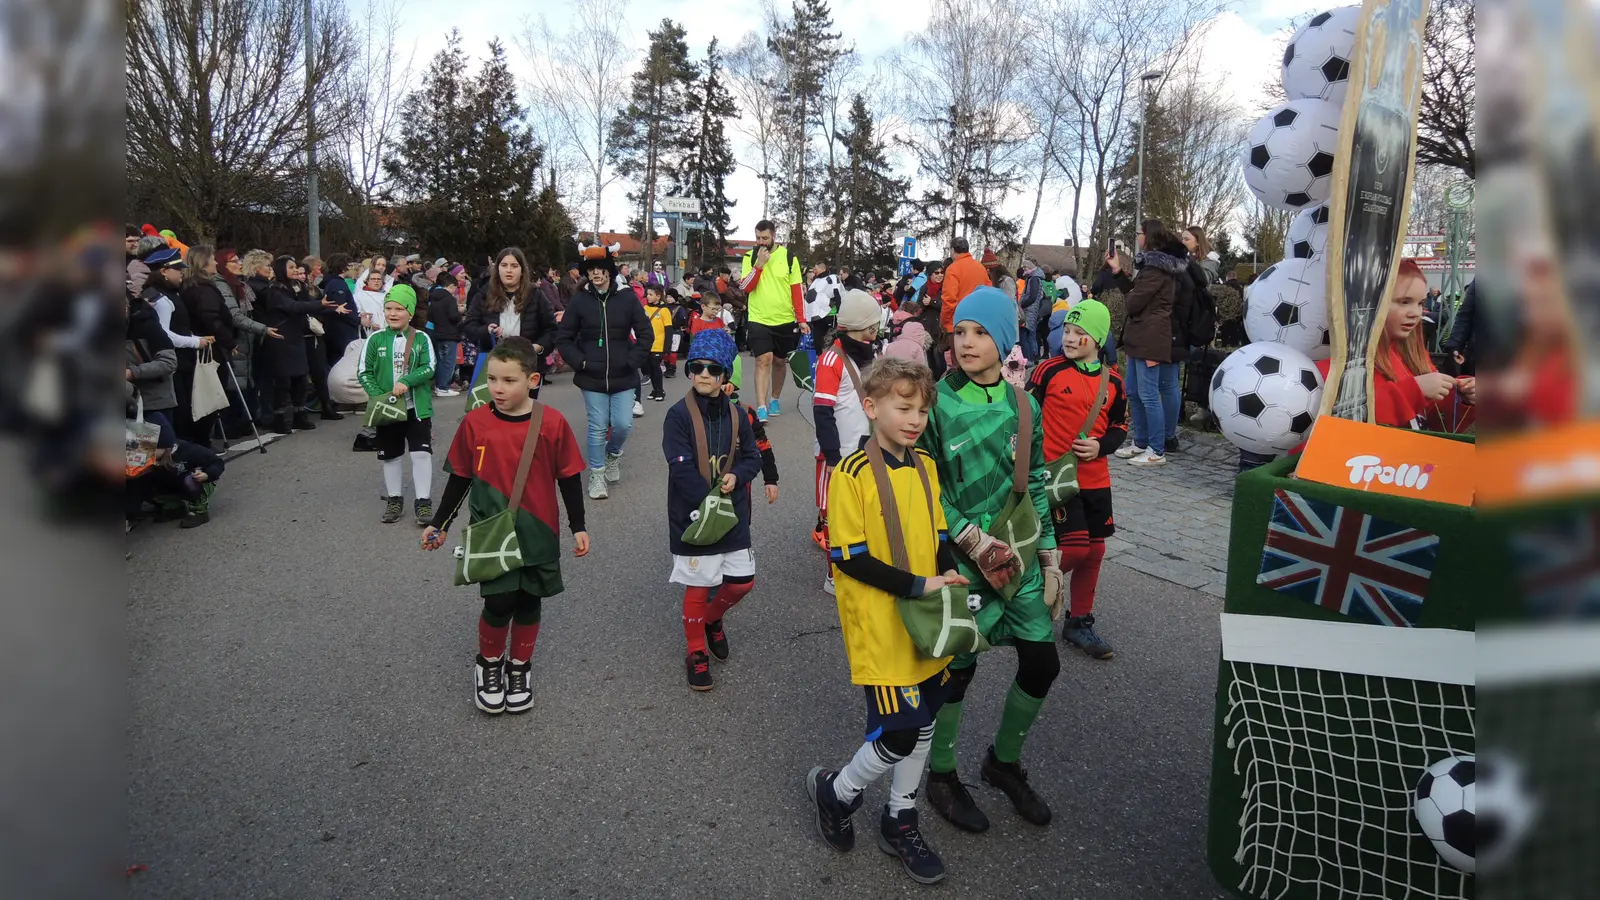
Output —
<point x="487" y="448"/>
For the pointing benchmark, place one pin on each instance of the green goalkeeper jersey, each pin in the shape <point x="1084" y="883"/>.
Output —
<point x="972" y="434"/>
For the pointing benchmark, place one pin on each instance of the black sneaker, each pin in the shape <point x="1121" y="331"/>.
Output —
<point x="194" y="520"/>
<point x="519" y="696"/>
<point x="1172" y="445"/>
<point x="489" y="685"/>
<point x="658" y="397"/>
<point x="393" y="509"/>
<point x="332" y="415"/>
<point x="1012" y="780"/>
<point x="949" y="798"/>
<point x="833" y="818"/>
<point x="364" y="444"/>
<point x="302" y="422"/>
<point x="1079" y="632"/>
<point x="899" y="836"/>
<point x="280" y="425"/>
<point x="699" y="666"/>
<point x="717" y="639"/>
<point x="424" y="510"/>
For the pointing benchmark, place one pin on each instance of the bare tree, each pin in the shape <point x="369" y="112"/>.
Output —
<point x="1445" y="121"/>
<point x="580" y="86"/>
<point x="217" y="103"/>
<point x="1206" y="128"/>
<point x="752" y="74"/>
<point x="377" y="81"/>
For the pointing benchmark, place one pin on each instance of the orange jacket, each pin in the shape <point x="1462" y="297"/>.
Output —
<point x="963" y="276"/>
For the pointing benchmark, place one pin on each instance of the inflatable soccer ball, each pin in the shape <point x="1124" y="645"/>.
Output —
<point x="1288" y="157"/>
<point x="1288" y="304"/>
<point x="1316" y="64"/>
<point x="1505" y="812"/>
<point x="1308" y="234"/>
<point x="1445" y="809"/>
<point x="1265" y="396"/>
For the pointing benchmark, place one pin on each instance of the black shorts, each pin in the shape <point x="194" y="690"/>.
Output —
<point x="392" y="440"/>
<point x="1089" y="511"/>
<point x="904" y="708"/>
<point x="779" y="340"/>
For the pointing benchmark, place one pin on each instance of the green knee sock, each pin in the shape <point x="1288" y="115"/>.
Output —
<point x="946" y="727"/>
<point x="1020" y="713"/>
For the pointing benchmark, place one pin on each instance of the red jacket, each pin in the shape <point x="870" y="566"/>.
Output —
<point x="1065" y="394"/>
<point x="1400" y="404"/>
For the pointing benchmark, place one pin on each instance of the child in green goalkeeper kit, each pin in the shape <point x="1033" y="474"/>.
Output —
<point x="973" y="436"/>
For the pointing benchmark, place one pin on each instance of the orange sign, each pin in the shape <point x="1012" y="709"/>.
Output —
<point x="1524" y="468"/>
<point x="1391" y="461"/>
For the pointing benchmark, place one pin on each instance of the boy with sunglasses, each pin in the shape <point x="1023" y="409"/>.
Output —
<point x="715" y="576"/>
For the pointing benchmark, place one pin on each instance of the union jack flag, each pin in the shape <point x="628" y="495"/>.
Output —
<point x="1558" y="565"/>
<point x="1356" y="564"/>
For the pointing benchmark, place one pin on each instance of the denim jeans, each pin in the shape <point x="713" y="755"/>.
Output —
<point x="1156" y="403"/>
<point x="444" y="364"/>
<point x="608" y="414"/>
<point x="1030" y="347"/>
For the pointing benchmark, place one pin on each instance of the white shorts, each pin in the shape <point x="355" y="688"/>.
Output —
<point x="711" y="569"/>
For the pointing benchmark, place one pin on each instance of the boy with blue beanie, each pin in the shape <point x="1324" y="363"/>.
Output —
<point x="973" y="436"/>
<point x="709" y="443"/>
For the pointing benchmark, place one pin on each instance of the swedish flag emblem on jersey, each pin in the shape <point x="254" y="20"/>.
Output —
<point x="898" y="708"/>
<point x="912" y="696"/>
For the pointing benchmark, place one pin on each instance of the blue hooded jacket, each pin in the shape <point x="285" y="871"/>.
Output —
<point x="685" y="486"/>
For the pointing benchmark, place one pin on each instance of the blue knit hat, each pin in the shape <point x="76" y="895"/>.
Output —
<point x="715" y="345"/>
<point x="992" y="309"/>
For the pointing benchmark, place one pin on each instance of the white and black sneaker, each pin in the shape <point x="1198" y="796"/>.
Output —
<point x="519" y="696"/>
<point x="489" y="679"/>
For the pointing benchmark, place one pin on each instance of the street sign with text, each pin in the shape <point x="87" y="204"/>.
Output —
<point x="690" y="205"/>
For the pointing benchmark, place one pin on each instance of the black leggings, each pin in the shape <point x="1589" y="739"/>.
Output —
<point x="1038" y="664"/>
<point x="522" y="607"/>
<point x="288" y="393"/>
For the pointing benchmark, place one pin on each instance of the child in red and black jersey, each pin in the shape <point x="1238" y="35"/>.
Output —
<point x="1067" y="388"/>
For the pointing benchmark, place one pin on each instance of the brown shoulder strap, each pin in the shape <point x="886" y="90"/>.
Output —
<point x="530" y="446"/>
<point x="891" y="509"/>
<point x="1099" y="401"/>
<point x="1024" y="454"/>
<point x="927" y="490"/>
<point x="702" y="447"/>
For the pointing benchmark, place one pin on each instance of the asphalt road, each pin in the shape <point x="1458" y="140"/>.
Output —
<point x="301" y="723"/>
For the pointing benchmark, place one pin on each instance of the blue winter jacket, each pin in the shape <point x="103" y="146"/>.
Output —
<point x="685" y="486"/>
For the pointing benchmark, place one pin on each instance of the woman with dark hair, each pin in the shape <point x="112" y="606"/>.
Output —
<point x="510" y="307"/>
<point x="285" y="307"/>
<point x="930" y="299"/>
<point x="341" y="327"/>
<point x="1147" y="336"/>
<point x="1194" y="240"/>
<point x="241" y="301"/>
<point x="444" y="319"/>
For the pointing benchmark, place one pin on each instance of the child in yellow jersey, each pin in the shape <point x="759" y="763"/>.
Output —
<point x="659" y="314"/>
<point x="903" y="688"/>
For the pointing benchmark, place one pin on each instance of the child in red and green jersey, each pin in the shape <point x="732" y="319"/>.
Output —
<point x="1066" y="387"/>
<point x="483" y="467"/>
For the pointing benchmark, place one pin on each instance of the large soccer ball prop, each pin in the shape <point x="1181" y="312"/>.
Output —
<point x="1446" y="809"/>
<point x="1505" y="812"/>
<point x="1288" y="157"/>
<point x="1316" y="64"/>
<point x="1308" y="234"/>
<point x="1265" y="397"/>
<point x="1288" y="304"/>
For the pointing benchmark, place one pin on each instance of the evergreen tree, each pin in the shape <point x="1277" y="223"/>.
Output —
<point x="933" y="215"/>
<point x="807" y="48"/>
<point x="709" y="159"/>
<point x="864" y="199"/>
<point x="651" y="137"/>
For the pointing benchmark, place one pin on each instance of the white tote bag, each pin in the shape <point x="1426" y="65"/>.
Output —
<point x="343" y="385"/>
<point x="208" y="396"/>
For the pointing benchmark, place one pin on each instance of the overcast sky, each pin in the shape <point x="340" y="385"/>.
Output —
<point x="1241" y="48"/>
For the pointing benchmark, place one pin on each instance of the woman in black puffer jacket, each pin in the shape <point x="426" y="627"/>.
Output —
<point x="285" y="307"/>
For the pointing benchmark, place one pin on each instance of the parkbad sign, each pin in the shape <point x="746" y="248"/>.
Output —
<point x="681" y="205"/>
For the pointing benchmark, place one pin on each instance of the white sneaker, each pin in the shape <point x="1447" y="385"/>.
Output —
<point x="489" y="685"/>
<point x="613" y="468"/>
<point x="446" y="393"/>
<point x="827" y="586"/>
<point x="597" y="485"/>
<point x="1129" y="451"/>
<point x="1146" y="459"/>
<point x="638" y="410"/>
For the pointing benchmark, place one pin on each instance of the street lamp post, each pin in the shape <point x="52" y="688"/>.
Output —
<point x="1138" y="203"/>
<point x="313" y="202"/>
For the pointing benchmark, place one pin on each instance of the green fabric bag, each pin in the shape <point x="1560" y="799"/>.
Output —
<point x="489" y="549"/>
<point x="478" y="393"/>
<point x="715" y="517"/>
<point x="1063" y="470"/>
<point x="939" y="622"/>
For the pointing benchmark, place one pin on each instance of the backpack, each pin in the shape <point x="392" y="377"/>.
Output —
<point x="1201" y="328"/>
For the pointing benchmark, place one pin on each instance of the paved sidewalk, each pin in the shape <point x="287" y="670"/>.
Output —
<point x="1172" y="521"/>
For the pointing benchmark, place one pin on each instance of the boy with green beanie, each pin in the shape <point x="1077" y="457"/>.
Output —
<point x="973" y="436"/>
<point x="398" y="363"/>
<point x="1085" y="413"/>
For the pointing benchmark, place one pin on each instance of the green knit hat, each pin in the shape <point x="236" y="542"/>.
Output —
<point x="404" y="295"/>
<point x="1093" y="317"/>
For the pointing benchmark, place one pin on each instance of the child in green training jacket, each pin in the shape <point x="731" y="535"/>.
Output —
<point x="399" y="363"/>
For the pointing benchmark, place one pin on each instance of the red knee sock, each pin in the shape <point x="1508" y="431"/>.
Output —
<point x="695" y="601"/>
<point x="1086" y="577"/>
<point x="523" y="638"/>
<point x="727" y="599"/>
<point x="1074" y="547"/>
<point x="491" y="640"/>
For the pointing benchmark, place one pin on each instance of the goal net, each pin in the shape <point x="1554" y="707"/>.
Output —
<point x="1328" y="727"/>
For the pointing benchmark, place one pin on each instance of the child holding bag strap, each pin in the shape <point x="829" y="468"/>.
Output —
<point x="485" y="459"/>
<point x="707" y="439"/>
<point x="885" y="503"/>
<point x="1085" y="412"/>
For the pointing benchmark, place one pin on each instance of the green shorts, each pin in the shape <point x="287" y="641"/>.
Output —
<point x="539" y="579"/>
<point x="1024" y="618"/>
